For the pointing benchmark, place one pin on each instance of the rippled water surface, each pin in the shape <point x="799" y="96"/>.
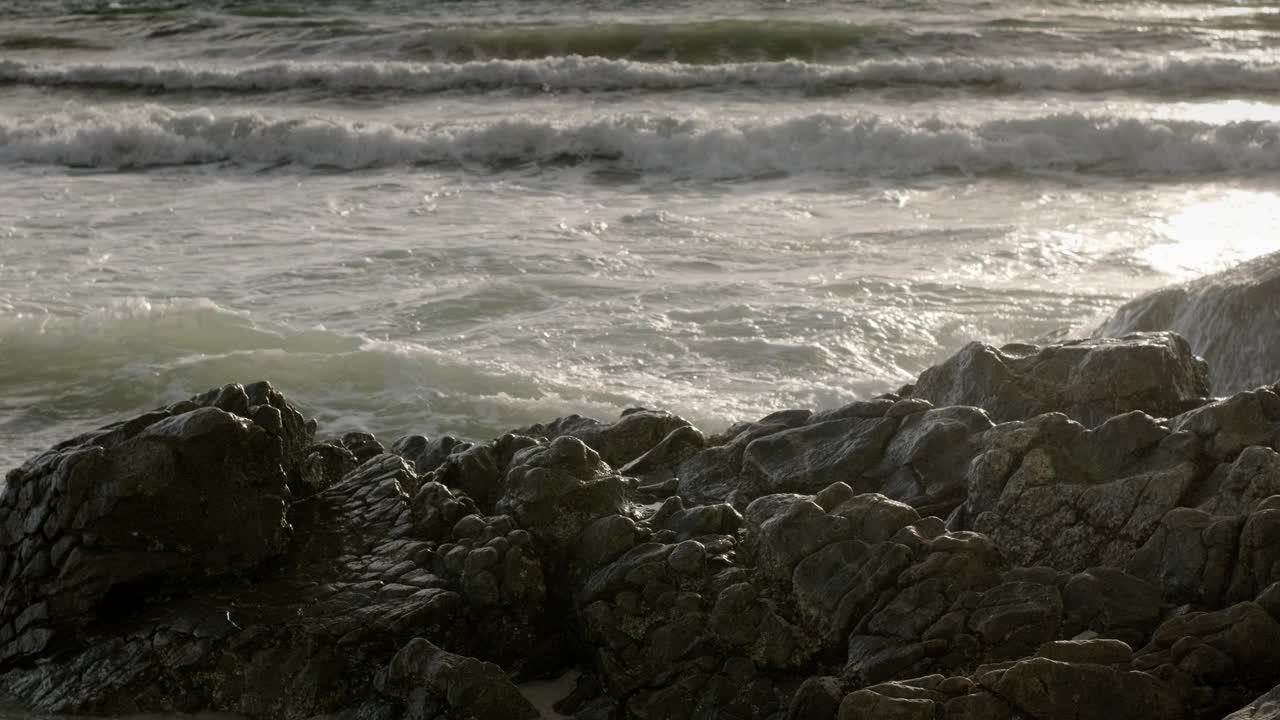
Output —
<point x="469" y="216"/>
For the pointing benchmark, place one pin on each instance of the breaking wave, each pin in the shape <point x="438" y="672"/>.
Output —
<point x="594" y="74"/>
<point x="150" y="136"/>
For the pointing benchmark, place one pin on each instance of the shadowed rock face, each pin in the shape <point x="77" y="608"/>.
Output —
<point x="1087" y="380"/>
<point x="1231" y="319"/>
<point x="193" y="493"/>
<point x="887" y="559"/>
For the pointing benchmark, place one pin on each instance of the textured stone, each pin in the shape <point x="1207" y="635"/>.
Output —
<point x="468" y="687"/>
<point x="1048" y="690"/>
<point x="1088" y="380"/>
<point x="1230" y="318"/>
<point x="190" y="494"/>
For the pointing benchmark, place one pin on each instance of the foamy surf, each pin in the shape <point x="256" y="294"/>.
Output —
<point x="1185" y="78"/>
<point x="125" y="357"/>
<point x="150" y="136"/>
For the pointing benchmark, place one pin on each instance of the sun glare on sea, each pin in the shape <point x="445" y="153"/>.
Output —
<point x="1213" y="233"/>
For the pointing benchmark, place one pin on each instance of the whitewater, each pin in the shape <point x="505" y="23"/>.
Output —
<point x="467" y="217"/>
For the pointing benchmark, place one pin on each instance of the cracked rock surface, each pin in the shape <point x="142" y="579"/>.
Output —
<point x="982" y="546"/>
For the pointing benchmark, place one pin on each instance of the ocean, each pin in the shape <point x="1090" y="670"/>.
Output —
<point x="463" y="217"/>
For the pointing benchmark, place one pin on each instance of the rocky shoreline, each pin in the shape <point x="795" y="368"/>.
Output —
<point x="1067" y="531"/>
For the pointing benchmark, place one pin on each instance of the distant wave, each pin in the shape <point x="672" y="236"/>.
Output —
<point x="1172" y="77"/>
<point x="698" y="41"/>
<point x="46" y="42"/>
<point x="150" y="136"/>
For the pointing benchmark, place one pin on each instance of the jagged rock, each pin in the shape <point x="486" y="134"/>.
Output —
<point x="785" y="529"/>
<point x="924" y="464"/>
<point x="633" y="434"/>
<point x="1111" y="604"/>
<point x="719" y="519"/>
<point x="480" y="471"/>
<point x="1238" y="487"/>
<point x="1191" y="556"/>
<point x="1073" y="498"/>
<point x="364" y="446"/>
<point x="1230" y="318"/>
<point x="1257" y="562"/>
<point x="1088" y="380"/>
<point x="424" y="676"/>
<point x="184" y="495"/>
<point x="977" y="706"/>
<point x="426" y="454"/>
<point x="494" y="563"/>
<point x="324" y="465"/>
<point x="927" y="697"/>
<point x="437" y="510"/>
<point x="870" y="705"/>
<point x="713" y="475"/>
<point x="603" y="541"/>
<point x="904" y="450"/>
<point x="1210" y="559"/>
<point x="557" y="490"/>
<point x="303" y="640"/>
<point x="1015" y="618"/>
<point x="1235" y="649"/>
<point x="1097" y="651"/>
<point x="793" y="548"/>
<point x="818" y="698"/>
<point x="680" y="445"/>
<point x="1229" y="426"/>
<point x="1048" y="690"/>
<point x="811" y="457"/>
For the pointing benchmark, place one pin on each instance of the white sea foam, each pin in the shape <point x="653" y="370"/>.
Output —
<point x="1215" y="76"/>
<point x="132" y="355"/>
<point x="862" y="147"/>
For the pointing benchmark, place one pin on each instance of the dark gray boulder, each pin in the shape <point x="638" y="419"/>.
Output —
<point x="303" y="637"/>
<point x="1050" y="492"/>
<point x="1049" y="690"/>
<point x="811" y="457"/>
<point x="427" y="454"/>
<point x="556" y="490"/>
<point x="1228" y="656"/>
<point x="433" y="682"/>
<point x="1230" y="425"/>
<point x="797" y="566"/>
<point x="903" y="449"/>
<point x="480" y="471"/>
<point x="186" y="495"/>
<point x="364" y="446"/>
<point x="1088" y="380"/>
<point x="633" y="434"/>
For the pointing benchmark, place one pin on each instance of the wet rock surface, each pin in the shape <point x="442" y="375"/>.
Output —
<point x="1229" y="318"/>
<point x="900" y="557"/>
<point x="1088" y="380"/>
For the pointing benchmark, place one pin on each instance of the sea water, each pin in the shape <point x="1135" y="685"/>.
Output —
<point x="465" y="217"/>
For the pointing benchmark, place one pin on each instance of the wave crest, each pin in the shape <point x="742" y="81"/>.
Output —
<point x="595" y="74"/>
<point x="862" y="147"/>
